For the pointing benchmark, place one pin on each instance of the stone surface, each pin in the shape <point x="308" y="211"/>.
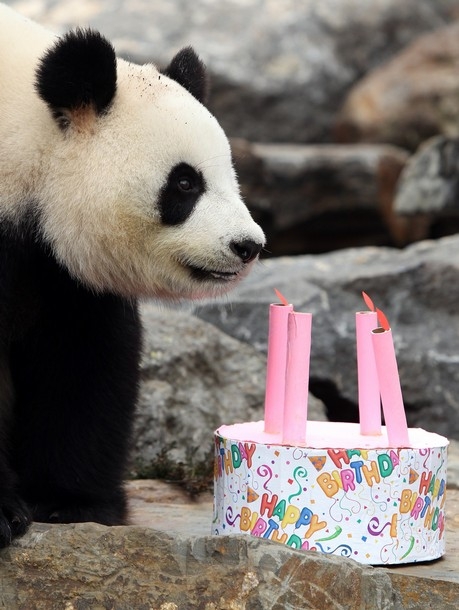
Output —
<point x="410" y="98"/>
<point x="178" y="566"/>
<point x="417" y="288"/>
<point x="428" y="189"/>
<point x="280" y="69"/>
<point x="140" y="568"/>
<point x="194" y="378"/>
<point x="313" y="198"/>
<point x="430" y="182"/>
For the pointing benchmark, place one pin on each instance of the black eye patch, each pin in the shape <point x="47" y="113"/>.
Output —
<point x="179" y="195"/>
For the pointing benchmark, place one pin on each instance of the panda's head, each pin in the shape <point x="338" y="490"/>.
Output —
<point x="137" y="192"/>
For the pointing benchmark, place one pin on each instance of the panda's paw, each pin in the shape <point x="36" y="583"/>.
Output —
<point x="15" y="518"/>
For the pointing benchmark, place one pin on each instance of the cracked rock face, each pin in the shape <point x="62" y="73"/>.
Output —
<point x="140" y="568"/>
<point x="92" y="567"/>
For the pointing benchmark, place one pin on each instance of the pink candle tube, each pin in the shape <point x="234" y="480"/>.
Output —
<point x="297" y="379"/>
<point x="389" y="387"/>
<point x="275" y="368"/>
<point x="367" y="375"/>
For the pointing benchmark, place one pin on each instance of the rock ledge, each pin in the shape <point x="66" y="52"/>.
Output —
<point x="89" y="566"/>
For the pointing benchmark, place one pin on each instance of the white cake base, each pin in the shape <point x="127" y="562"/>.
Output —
<point x="359" y="499"/>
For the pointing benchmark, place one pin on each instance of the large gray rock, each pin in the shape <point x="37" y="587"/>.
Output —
<point x="92" y="567"/>
<point x="280" y="69"/>
<point x="417" y="288"/>
<point x="194" y="379"/>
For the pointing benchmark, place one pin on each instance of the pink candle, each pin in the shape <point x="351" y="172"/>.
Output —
<point x="297" y="378"/>
<point x="367" y="375"/>
<point x="389" y="385"/>
<point x="275" y="368"/>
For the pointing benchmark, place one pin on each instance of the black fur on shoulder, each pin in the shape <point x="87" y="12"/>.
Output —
<point x="77" y="72"/>
<point x="188" y="70"/>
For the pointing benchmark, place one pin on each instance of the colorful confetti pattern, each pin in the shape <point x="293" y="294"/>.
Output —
<point x="378" y="506"/>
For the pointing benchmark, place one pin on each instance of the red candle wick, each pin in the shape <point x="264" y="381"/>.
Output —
<point x="383" y="320"/>
<point x="368" y="302"/>
<point x="281" y="297"/>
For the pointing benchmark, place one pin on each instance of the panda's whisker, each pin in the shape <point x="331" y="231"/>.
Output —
<point x="225" y="155"/>
<point x="206" y="167"/>
<point x="203" y="164"/>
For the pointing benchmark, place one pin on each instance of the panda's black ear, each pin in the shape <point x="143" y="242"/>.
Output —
<point x="188" y="70"/>
<point x="77" y="74"/>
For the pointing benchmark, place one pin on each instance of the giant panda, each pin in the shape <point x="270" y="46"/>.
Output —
<point x="116" y="183"/>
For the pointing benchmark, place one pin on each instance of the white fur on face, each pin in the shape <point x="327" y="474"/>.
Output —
<point x="101" y="183"/>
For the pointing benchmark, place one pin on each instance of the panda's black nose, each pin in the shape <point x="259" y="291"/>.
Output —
<point x="246" y="250"/>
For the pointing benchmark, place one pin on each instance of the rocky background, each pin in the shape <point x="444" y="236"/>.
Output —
<point x="344" y="123"/>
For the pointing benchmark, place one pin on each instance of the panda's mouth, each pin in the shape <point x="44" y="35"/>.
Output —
<point x="203" y="274"/>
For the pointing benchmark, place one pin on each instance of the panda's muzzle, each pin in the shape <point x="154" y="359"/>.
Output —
<point x="203" y="275"/>
<point x="247" y="251"/>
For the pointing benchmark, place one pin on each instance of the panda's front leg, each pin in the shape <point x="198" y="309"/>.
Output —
<point x="15" y="516"/>
<point x="76" y="374"/>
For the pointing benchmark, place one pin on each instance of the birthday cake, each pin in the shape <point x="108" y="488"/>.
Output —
<point x="373" y="503"/>
<point x="371" y="492"/>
